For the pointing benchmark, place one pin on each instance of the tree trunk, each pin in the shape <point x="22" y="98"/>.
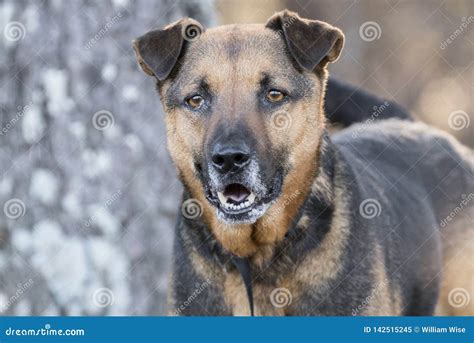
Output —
<point x="88" y="196"/>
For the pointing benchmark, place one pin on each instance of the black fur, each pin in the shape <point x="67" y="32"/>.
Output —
<point x="346" y="105"/>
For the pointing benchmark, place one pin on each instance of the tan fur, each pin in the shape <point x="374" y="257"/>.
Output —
<point x="204" y="269"/>
<point x="457" y="286"/>
<point x="236" y="297"/>
<point x="234" y="293"/>
<point x="384" y="300"/>
<point x="304" y="222"/>
<point x="311" y="272"/>
<point x="170" y="298"/>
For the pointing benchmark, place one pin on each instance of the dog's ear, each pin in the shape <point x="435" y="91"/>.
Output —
<point x="158" y="51"/>
<point x="310" y="42"/>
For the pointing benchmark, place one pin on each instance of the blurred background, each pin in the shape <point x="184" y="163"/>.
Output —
<point x="88" y="195"/>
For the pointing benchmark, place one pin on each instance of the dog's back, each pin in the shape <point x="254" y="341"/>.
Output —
<point x="424" y="178"/>
<point x="346" y="104"/>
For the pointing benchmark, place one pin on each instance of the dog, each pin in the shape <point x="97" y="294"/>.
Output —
<point x="279" y="218"/>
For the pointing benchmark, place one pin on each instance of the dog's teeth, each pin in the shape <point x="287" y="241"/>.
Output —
<point x="235" y="207"/>
<point x="250" y="199"/>
<point x="222" y="198"/>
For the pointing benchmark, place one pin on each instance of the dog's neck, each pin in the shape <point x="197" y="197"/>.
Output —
<point x="285" y="223"/>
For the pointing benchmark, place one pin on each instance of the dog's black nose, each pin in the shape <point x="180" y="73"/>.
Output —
<point x="230" y="159"/>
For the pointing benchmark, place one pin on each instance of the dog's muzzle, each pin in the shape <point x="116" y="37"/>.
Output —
<point x="230" y="161"/>
<point x="235" y="184"/>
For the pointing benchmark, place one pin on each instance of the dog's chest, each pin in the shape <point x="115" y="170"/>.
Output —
<point x="268" y="300"/>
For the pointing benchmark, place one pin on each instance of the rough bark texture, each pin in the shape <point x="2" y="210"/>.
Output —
<point x="87" y="192"/>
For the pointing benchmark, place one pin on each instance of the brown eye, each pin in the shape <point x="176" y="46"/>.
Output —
<point x="195" y="101"/>
<point x="275" y="96"/>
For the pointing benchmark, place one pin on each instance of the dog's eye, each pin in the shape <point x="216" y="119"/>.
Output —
<point x="275" y="96"/>
<point x="195" y="101"/>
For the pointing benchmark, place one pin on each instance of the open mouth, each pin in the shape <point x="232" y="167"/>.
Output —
<point x="236" y="198"/>
<point x="239" y="202"/>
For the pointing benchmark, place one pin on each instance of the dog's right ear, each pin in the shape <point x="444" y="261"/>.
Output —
<point x="157" y="51"/>
<point x="310" y="42"/>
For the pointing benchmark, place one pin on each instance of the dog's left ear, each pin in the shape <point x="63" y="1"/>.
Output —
<point x="310" y="42"/>
<point x="157" y="51"/>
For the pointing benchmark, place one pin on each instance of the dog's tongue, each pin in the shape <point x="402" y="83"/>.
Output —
<point x="236" y="192"/>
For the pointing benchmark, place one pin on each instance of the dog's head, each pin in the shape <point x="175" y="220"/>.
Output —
<point x="243" y="106"/>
